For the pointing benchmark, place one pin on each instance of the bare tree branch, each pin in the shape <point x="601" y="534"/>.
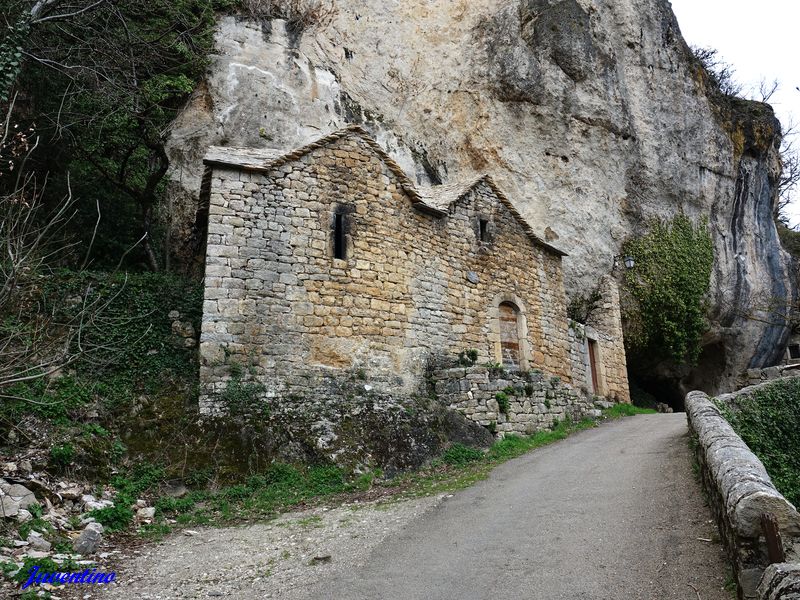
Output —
<point x="67" y="15"/>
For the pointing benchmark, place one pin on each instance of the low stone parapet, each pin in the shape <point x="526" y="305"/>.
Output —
<point x="780" y="582"/>
<point x="740" y="491"/>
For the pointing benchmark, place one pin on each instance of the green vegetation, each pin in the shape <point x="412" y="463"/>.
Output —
<point x="61" y="456"/>
<point x="468" y="358"/>
<point x="502" y="402"/>
<point x="459" y="454"/>
<point x="104" y="87"/>
<point x="768" y="420"/>
<point x="665" y="304"/>
<point x="626" y="410"/>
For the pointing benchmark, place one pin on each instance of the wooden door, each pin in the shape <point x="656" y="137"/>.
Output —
<point x="509" y="335"/>
<point x="593" y="358"/>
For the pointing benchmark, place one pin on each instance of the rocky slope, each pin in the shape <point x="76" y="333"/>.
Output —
<point x="590" y="113"/>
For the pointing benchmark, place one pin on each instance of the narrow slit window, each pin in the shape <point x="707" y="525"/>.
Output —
<point x="339" y="239"/>
<point x="484" y="230"/>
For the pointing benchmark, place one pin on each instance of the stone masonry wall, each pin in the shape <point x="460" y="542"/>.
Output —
<point x="780" y="582"/>
<point x="604" y="329"/>
<point x="739" y="492"/>
<point x="533" y="400"/>
<point x="606" y="323"/>
<point x="579" y="357"/>
<point x="413" y="284"/>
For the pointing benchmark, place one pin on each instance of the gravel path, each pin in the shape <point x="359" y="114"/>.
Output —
<point x="612" y="512"/>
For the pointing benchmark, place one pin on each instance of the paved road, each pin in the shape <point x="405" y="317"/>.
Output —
<point x="612" y="512"/>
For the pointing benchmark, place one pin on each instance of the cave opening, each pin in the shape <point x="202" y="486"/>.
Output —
<point x="647" y="392"/>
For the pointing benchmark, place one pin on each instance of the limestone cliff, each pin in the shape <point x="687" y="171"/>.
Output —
<point x="591" y="114"/>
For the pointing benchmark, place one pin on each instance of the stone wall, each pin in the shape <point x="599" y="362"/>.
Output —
<point x="757" y="376"/>
<point x="511" y="402"/>
<point x="780" y="582"/>
<point x="416" y="280"/>
<point x="739" y="492"/>
<point x="602" y="335"/>
<point x="606" y="322"/>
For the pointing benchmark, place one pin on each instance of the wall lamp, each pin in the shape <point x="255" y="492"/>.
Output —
<point x="627" y="260"/>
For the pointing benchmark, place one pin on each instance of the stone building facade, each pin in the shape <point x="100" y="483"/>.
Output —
<point x="329" y="261"/>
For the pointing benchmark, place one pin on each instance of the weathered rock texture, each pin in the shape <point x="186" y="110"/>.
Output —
<point x="780" y="582"/>
<point x="591" y="114"/>
<point x="422" y="272"/>
<point x="739" y="491"/>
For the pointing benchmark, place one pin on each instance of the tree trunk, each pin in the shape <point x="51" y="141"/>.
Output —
<point x="152" y="259"/>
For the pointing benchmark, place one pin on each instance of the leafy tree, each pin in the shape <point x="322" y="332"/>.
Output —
<point x="104" y="80"/>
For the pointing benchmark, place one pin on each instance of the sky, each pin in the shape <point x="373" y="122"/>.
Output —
<point x="761" y="40"/>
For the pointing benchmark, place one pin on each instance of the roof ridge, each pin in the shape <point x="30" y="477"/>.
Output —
<point x="406" y="182"/>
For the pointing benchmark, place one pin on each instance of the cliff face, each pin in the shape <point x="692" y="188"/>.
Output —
<point x="589" y="113"/>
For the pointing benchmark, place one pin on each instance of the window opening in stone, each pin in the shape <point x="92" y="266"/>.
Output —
<point x="509" y="335"/>
<point x="339" y="239"/>
<point x="794" y="351"/>
<point x="484" y="230"/>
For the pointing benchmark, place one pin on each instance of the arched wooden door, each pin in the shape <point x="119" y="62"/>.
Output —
<point x="509" y="335"/>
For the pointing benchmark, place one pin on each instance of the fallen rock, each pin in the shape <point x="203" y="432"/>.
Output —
<point x="176" y="490"/>
<point x="89" y="539"/>
<point x="71" y="493"/>
<point x="26" y="467"/>
<point x="23" y="515"/>
<point x="146" y="513"/>
<point x="22" y="495"/>
<point x="8" y="507"/>
<point x="37" y="542"/>
<point x="98" y="505"/>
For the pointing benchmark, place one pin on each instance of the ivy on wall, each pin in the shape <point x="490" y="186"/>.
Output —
<point x="665" y="294"/>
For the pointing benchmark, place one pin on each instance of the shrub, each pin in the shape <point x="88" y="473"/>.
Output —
<point x="459" y="454"/>
<point x="114" y="518"/>
<point x="62" y="456"/>
<point x="502" y="402"/>
<point x="768" y="420"/>
<point x="299" y="14"/>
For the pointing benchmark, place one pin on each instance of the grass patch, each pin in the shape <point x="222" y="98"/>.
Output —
<point x="447" y="474"/>
<point x="626" y="410"/>
<point x="282" y="487"/>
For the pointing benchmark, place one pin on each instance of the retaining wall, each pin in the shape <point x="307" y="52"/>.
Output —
<point x="739" y="492"/>
<point x="531" y="400"/>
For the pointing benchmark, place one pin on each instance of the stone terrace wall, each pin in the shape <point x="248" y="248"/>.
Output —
<point x="739" y="491"/>
<point x="758" y="376"/>
<point x="535" y="400"/>
<point x="278" y="303"/>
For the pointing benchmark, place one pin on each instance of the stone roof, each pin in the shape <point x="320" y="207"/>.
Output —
<point x="435" y="200"/>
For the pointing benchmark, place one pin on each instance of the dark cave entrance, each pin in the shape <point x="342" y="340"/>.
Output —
<point x="647" y="392"/>
<point x="669" y="385"/>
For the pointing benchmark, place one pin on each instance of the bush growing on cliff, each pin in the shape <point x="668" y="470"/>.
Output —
<point x="104" y="83"/>
<point x="768" y="420"/>
<point x="665" y="294"/>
